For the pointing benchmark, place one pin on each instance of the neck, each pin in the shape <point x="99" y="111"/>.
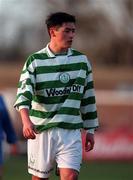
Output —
<point x="57" y="49"/>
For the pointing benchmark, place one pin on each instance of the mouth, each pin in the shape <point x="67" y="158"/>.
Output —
<point x="70" y="42"/>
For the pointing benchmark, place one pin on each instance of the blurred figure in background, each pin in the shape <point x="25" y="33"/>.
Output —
<point x="6" y="128"/>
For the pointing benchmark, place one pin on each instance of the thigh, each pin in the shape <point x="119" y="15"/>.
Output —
<point x="69" y="154"/>
<point x="41" y="155"/>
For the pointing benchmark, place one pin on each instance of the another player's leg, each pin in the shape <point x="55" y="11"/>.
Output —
<point x="1" y="161"/>
<point x="1" y="172"/>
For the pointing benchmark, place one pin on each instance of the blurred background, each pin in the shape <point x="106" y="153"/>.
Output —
<point x="105" y="35"/>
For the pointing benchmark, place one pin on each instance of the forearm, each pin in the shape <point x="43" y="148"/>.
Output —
<point x="24" y="113"/>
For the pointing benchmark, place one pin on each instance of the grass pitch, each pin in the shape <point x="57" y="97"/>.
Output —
<point x="16" y="169"/>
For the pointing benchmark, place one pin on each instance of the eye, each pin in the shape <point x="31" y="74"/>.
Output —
<point x="73" y="30"/>
<point x="67" y="30"/>
<point x="70" y="30"/>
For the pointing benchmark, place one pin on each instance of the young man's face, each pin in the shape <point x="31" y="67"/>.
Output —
<point x="64" y="35"/>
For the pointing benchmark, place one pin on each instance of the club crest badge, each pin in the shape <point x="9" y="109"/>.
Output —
<point x="64" y="77"/>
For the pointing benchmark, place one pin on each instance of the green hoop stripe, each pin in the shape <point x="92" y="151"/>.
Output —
<point x="26" y="94"/>
<point x="89" y="115"/>
<point x="59" y="84"/>
<point x="63" y="110"/>
<point x="87" y="101"/>
<point x="63" y="125"/>
<point x="61" y="68"/>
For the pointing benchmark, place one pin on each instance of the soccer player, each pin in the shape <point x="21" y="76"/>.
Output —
<point x="6" y="128"/>
<point x="56" y="100"/>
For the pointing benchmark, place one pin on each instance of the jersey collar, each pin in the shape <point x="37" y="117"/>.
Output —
<point x="51" y="54"/>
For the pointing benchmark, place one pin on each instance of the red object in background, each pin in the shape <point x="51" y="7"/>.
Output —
<point x="115" y="145"/>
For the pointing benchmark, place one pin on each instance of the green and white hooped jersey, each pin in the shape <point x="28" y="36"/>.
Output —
<point x="58" y="90"/>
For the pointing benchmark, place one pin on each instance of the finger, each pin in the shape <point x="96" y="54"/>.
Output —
<point x="32" y="134"/>
<point x="29" y="134"/>
<point x="89" y="147"/>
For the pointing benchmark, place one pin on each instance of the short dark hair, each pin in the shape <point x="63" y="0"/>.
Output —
<point x="58" y="18"/>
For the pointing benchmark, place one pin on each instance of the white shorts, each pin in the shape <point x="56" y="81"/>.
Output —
<point x="54" y="145"/>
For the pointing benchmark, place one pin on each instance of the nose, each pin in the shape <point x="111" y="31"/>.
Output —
<point x="71" y="34"/>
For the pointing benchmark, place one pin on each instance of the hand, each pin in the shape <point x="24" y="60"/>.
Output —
<point x="28" y="126"/>
<point x="28" y="131"/>
<point x="89" y="142"/>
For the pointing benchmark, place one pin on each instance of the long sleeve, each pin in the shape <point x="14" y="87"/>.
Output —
<point x="88" y="103"/>
<point x="26" y="86"/>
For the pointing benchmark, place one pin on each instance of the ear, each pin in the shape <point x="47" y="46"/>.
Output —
<point x="52" y="32"/>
